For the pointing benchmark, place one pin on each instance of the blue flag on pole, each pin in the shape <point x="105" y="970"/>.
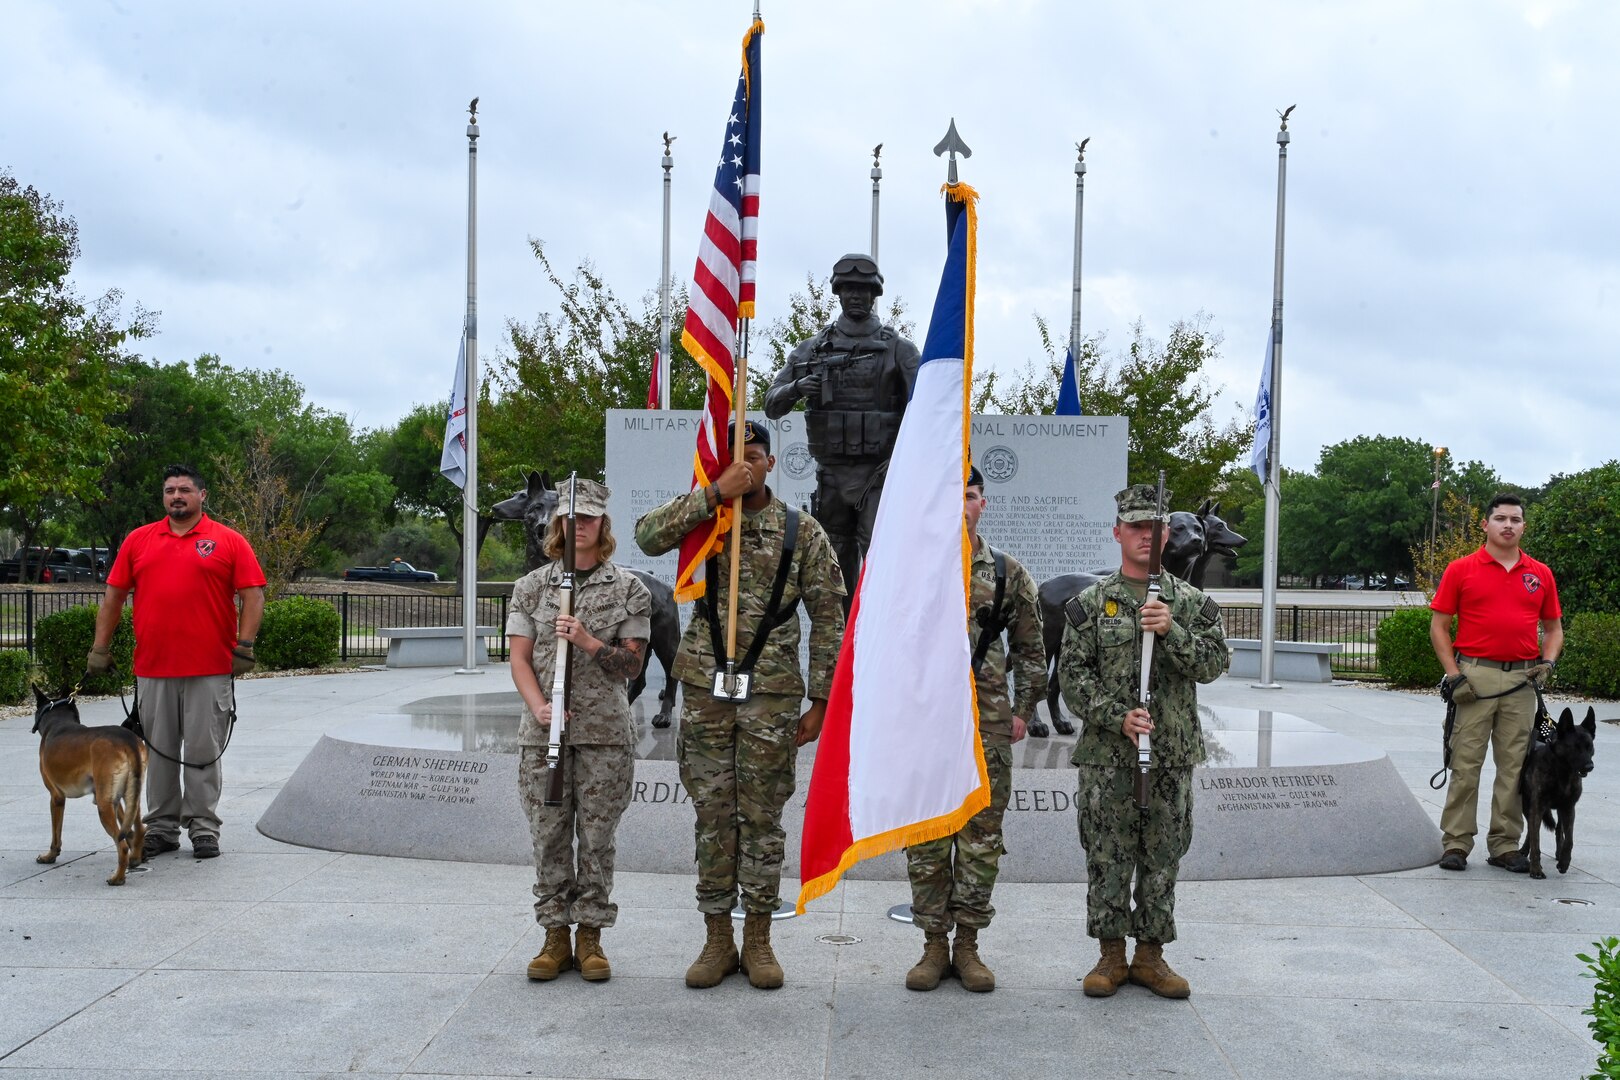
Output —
<point x="1260" y="456"/>
<point x="1068" y="402"/>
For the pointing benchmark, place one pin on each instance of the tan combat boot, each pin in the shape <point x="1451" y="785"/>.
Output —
<point x="719" y="956"/>
<point x="554" y="958"/>
<point x="965" y="960"/>
<point x="1149" y="969"/>
<point x="588" y="954"/>
<point x="1111" y="970"/>
<point x="935" y="962"/>
<point x="758" y="959"/>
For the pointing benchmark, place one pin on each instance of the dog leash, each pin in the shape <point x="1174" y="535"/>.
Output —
<point x="1440" y="779"/>
<point x="132" y="721"/>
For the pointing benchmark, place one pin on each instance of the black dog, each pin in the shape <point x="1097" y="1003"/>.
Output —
<point x="1550" y="786"/>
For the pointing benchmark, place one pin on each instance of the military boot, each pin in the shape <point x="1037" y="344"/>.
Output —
<point x="1110" y="973"/>
<point x="966" y="963"/>
<point x="935" y="962"/>
<point x="588" y="954"/>
<point x="719" y="956"/>
<point x="554" y="958"/>
<point x="1149" y="969"/>
<point x="758" y="959"/>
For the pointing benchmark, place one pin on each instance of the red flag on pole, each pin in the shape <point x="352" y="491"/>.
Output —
<point x="652" y="382"/>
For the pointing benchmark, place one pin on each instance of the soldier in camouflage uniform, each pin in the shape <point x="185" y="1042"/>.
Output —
<point x="737" y="759"/>
<point x="607" y="634"/>
<point x="1099" y="668"/>
<point x="946" y="891"/>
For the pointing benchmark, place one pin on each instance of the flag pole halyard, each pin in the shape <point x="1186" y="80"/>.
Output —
<point x="1273" y="483"/>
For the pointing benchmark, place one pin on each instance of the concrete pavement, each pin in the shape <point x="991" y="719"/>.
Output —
<point x="277" y="961"/>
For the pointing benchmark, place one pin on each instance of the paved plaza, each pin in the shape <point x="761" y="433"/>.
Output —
<point x="279" y="961"/>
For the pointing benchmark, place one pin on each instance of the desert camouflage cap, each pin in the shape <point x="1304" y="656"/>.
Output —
<point x="590" y="497"/>
<point x="1140" y="502"/>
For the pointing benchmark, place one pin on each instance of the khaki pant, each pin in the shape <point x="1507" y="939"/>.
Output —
<point x="188" y="719"/>
<point x="1505" y="723"/>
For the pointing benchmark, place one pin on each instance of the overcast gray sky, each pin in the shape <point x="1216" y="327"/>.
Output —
<point x="286" y="182"/>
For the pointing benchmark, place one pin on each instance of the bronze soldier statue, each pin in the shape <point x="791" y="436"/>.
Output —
<point x="855" y="377"/>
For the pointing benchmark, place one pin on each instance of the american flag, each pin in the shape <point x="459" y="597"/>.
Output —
<point x="723" y="292"/>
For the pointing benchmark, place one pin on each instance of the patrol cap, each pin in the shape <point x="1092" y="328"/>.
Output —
<point x="1139" y="502"/>
<point x="590" y="497"/>
<point x="975" y="477"/>
<point x="754" y="434"/>
<point x="857" y="269"/>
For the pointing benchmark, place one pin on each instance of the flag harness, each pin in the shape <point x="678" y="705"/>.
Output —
<point x="769" y="622"/>
<point x="994" y="621"/>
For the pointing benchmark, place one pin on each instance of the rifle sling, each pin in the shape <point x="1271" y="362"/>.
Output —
<point x="772" y="617"/>
<point x="997" y="622"/>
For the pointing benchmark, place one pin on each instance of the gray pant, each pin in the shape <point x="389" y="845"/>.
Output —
<point x="189" y="719"/>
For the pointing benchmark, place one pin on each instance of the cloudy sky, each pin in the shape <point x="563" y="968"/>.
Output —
<point x="286" y="182"/>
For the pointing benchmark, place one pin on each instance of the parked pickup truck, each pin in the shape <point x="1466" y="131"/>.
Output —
<point x="50" y="566"/>
<point x="398" y="570"/>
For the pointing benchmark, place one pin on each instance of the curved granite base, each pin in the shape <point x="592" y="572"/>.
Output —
<point x="1279" y="797"/>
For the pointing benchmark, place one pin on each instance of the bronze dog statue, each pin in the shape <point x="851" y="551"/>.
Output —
<point x="107" y="762"/>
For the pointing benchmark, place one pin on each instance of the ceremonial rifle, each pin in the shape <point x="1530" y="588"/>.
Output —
<point x="562" y="670"/>
<point x="1144" y="750"/>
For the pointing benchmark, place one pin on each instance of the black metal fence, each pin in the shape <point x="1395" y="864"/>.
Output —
<point x="362" y="614"/>
<point x="359" y="615"/>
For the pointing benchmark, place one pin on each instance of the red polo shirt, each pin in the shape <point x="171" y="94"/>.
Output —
<point x="1498" y="608"/>
<point x="185" y="595"/>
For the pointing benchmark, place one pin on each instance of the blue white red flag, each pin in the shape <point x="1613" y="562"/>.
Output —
<point x="1068" y="402"/>
<point x="722" y="292"/>
<point x="899" y="761"/>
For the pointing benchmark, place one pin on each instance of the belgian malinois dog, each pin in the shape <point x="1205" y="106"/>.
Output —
<point x="1550" y="786"/>
<point x="107" y="762"/>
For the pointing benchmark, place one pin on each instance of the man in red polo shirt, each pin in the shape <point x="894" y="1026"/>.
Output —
<point x="1501" y="598"/>
<point x="187" y="571"/>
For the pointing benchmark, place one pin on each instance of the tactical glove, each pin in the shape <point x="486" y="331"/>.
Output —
<point x="99" y="660"/>
<point x="242" y="660"/>
<point x="1462" y="691"/>
<point x="1539" y="673"/>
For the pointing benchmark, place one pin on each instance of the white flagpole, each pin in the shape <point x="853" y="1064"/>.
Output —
<point x="1268" y="583"/>
<point x="469" y="492"/>
<point x="877" y="180"/>
<point x="663" y="288"/>
<point x="1079" y="220"/>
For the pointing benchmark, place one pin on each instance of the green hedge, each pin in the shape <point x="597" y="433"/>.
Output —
<point x="298" y="632"/>
<point x="1590" y="662"/>
<point x="13" y="676"/>
<point x="1405" y="654"/>
<point x="62" y="640"/>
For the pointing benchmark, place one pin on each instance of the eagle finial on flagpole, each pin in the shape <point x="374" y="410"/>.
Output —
<point x="1080" y="147"/>
<point x="953" y="143"/>
<point x="472" y="112"/>
<point x="1283" y="116"/>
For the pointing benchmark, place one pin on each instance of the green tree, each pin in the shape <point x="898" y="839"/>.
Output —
<point x="1576" y="531"/>
<point x="59" y="359"/>
<point x="1363" y="511"/>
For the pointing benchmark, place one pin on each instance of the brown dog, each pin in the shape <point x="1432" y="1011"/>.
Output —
<point x="108" y="762"/>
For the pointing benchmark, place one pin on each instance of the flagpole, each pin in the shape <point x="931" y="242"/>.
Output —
<point x="663" y="287"/>
<point x="1268" y="583"/>
<point x="1079" y="223"/>
<point x="739" y="401"/>
<point x="469" y="492"/>
<point x="877" y="179"/>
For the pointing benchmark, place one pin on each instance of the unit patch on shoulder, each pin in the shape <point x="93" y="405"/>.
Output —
<point x="1211" y="611"/>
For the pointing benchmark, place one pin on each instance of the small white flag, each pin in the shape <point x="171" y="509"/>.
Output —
<point x="1260" y="457"/>
<point x="453" y="462"/>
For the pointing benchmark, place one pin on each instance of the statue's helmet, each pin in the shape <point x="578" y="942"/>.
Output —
<point x="857" y="269"/>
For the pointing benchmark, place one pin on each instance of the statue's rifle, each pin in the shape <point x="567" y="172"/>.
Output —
<point x="1144" y="749"/>
<point x="562" y="671"/>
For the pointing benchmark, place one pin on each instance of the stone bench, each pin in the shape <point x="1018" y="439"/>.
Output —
<point x="1295" y="661"/>
<point x="433" y="646"/>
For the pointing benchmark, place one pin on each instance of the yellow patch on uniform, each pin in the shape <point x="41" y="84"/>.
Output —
<point x="1110" y="608"/>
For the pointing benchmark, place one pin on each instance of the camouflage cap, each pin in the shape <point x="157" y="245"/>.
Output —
<point x="590" y="497"/>
<point x="1140" y="502"/>
<point x="754" y="434"/>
